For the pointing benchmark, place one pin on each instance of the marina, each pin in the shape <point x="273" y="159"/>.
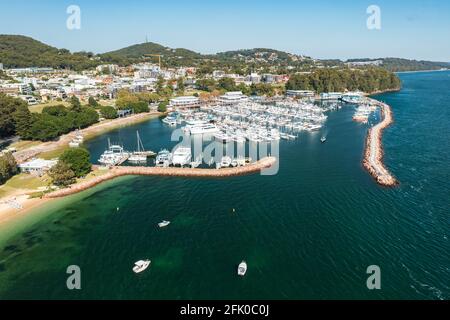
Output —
<point x="321" y="198"/>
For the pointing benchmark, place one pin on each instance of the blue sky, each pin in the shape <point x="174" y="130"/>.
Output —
<point x="318" y="28"/>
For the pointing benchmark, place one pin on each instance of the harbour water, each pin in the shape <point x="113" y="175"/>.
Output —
<point x="309" y="232"/>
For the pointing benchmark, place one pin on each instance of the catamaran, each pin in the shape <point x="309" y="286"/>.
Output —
<point x="114" y="155"/>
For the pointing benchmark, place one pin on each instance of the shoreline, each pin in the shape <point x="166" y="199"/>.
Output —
<point x="373" y="154"/>
<point x="21" y="197"/>
<point x="422" y="71"/>
<point x="8" y="213"/>
<point x="89" y="133"/>
<point x="164" y="172"/>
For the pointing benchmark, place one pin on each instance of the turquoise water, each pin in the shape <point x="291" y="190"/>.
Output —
<point x="308" y="232"/>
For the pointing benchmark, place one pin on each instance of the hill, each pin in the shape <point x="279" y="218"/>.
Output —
<point x="135" y="53"/>
<point x="397" y="64"/>
<point x="19" y="52"/>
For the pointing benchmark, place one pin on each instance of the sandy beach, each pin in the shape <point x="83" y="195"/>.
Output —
<point x="96" y="129"/>
<point x="17" y="201"/>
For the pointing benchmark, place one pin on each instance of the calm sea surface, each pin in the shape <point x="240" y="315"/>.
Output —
<point x="309" y="232"/>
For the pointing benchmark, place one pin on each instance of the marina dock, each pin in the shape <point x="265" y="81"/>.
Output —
<point x="373" y="158"/>
<point x="169" y="172"/>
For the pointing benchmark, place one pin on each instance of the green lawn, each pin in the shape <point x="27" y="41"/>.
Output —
<point x="38" y="108"/>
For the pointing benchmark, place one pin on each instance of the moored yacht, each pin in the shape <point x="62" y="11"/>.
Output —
<point x="181" y="156"/>
<point x="164" y="158"/>
<point x="139" y="156"/>
<point x="114" y="155"/>
<point x="201" y="128"/>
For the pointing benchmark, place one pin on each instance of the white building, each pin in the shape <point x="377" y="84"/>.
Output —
<point x="232" y="98"/>
<point x="29" y="99"/>
<point x="300" y="93"/>
<point x="217" y="74"/>
<point x="331" y="95"/>
<point x="185" y="102"/>
<point x="37" y="165"/>
<point x="109" y="68"/>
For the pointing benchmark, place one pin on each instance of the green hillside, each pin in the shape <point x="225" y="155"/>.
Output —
<point x="20" y="51"/>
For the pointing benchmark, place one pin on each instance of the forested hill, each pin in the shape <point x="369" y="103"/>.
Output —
<point x="135" y="53"/>
<point x="19" y="51"/>
<point x="397" y="64"/>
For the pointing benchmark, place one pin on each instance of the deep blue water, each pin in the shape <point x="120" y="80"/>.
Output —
<point x="308" y="232"/>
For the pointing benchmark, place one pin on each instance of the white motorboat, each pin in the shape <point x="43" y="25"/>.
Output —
<point x="225" y="162"/>
<point x="164" y="158"/>
<point x="163" y="224"/>
<point x="181" y="156"/>
<point x="141" y="265"/>
<point x="242" y="268"/>
<point x="201" y="127"/>
<point x="323" y="139"/>
<point x="170" y="120"/>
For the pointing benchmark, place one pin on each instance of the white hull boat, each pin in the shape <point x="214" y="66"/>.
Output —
<point x="163" y="224"/>
<point x="242" y="268"/>
<point x="141" y="266"/>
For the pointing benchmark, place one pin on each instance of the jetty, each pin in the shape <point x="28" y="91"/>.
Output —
<point x="116" y="172"/>
<point x="373" y="157"/>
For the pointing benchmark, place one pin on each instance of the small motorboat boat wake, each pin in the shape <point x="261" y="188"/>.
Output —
<point x="163" y="224"/>
<point x="242" y="268"/>
<point x="141" y="265"/>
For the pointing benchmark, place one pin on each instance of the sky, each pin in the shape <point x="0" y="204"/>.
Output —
<point x="318" y="28"/>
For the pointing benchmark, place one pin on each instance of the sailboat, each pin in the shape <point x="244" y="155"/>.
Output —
<point x="139" y="156"/>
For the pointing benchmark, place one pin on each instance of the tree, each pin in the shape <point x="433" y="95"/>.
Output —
<point x="162" y="107"/>
<point x="8" y="106"/>
<point x="61" y="174"/>
<point x="180" y="85"/>
<point x="8" y="167"/>
<point x="58" y="110"/>
<point x="108" y="112"/>
<point x="208" y="85"/>
<point x="92" y="102"/>
<point x="78" y="160"/>
<point x="125" y="98"/>
<point x="159" y="84"/>
<point x="75" y="104"/>
<point x="227" y="84"/>
<point x="23" y="120"/>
